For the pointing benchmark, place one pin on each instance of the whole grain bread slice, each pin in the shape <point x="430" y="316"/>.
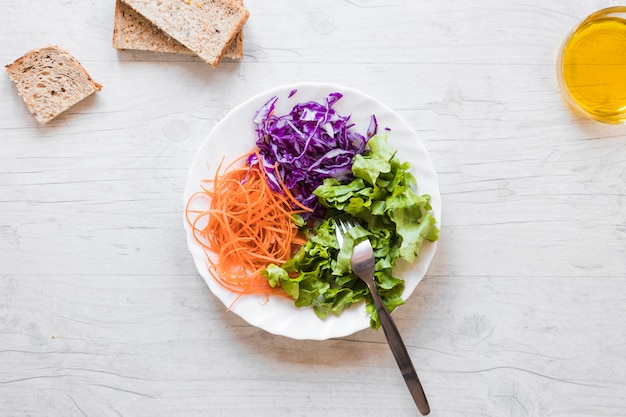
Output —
<point x="206" y="27"/>
<point x="50" y="80"/>
<point x="133" y="31"/>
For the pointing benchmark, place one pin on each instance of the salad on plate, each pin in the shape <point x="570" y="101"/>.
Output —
<point x="265" y="219"/>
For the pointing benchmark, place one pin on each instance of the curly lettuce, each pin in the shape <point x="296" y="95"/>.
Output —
<point x="394" y="218"/>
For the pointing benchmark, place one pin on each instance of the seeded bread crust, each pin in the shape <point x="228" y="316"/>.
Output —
<point x="134" y="32"/>
<point x="50" y="80"/>
<point x="206" y="27"/>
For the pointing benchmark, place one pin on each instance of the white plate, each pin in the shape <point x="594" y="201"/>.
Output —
<point x="235" y="135"/>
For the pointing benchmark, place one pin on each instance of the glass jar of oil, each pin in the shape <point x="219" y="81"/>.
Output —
<point x="592" y="66"/>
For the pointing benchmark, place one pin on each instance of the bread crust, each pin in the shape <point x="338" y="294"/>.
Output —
<point x="50" y="80"/>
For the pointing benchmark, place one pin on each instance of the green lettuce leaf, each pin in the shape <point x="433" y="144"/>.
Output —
<point x="394" y="218"/>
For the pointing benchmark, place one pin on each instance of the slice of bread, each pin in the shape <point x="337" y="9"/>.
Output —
<point x="206" y="27"/>
<point x="50" y="80"/>
<point x="133" y="31"/>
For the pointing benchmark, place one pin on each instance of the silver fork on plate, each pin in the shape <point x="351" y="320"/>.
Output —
<point x="363" y="264"/>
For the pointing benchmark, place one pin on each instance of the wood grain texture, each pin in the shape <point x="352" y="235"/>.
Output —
<point x="522" y="313"/>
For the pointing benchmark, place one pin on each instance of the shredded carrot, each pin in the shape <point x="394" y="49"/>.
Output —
<point x="245" y="227"/>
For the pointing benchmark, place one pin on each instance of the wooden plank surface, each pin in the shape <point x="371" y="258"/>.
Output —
<point x="522" y="312"/>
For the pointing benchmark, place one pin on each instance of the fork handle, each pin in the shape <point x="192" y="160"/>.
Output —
<point x="401" y="355"/>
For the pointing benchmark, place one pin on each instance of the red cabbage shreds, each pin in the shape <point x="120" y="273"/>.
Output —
<point x="310" y="143"/>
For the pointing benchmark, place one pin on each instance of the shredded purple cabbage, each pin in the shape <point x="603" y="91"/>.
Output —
<point x="310" y="143"/>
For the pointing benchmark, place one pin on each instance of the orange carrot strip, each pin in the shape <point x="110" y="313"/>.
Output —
<point x="246" y="226"/>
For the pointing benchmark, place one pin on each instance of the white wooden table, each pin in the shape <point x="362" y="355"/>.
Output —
<point x="522" y="312"/>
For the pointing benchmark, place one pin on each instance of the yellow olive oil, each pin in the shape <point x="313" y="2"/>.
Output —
<point x="593" y="66"/>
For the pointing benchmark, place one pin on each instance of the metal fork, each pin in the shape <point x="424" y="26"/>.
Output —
<point x="363" y="265"/>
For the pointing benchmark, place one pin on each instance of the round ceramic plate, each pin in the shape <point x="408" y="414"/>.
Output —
<point x="235" y="135"/>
